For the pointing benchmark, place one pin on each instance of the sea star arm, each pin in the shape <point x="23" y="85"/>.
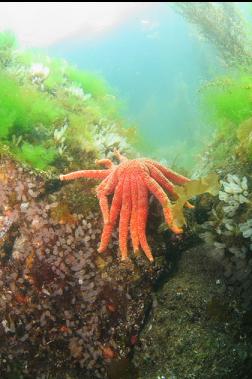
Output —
<point x="134" y="214"/>
<point x="114" y="212"/>
<point x="125" y="218"/>
<point x="103" y="200"/>
<point x="111" y="183"/>
<point x="105" y="162"/>
<point x="170" y="174"/>
<point x="157" y="175"/>
<point x="104" y="189"/>
<point x="159" y="193"/>
<point x="105" y="237"/>
<point x="89" y="174"/>
<point x="142" y="210"/>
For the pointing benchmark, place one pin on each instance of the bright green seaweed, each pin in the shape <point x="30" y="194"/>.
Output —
<point x="228" y="105"/>
<point x="51" y="112"/>
<point x="230" y="98"/>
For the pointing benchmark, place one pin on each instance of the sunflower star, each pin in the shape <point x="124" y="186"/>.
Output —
<point x="131" y="181"/>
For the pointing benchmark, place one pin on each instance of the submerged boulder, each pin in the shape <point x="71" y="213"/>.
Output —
<point x="66" y="310"/>
<point x="197" y="328"/>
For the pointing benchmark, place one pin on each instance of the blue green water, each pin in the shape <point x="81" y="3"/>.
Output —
<point x="156" y="64"/>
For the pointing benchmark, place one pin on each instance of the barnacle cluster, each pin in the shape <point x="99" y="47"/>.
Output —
<point x="228" y="233"/>
<point x="39" y="73"/>
<point x="108" y="139"/>
<point x="61" y="302"/>
<point x="235" y="192"/>
<point x="246" y="229"/>
<point x="78" y="92"/>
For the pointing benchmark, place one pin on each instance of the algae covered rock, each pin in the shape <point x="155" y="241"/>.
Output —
<point x="196" y="329"/>
<point x="54" y="115"/>
<point x="66" y="311"/>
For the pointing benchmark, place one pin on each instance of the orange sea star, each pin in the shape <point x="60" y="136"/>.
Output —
<point x="131" y="181"/>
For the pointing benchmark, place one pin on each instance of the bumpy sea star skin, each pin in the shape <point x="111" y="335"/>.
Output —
<point x="131" y="182"/>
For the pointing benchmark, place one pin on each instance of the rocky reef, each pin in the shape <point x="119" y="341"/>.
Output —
<point x="200" y="323"/>
<point x="69" y="312"/>
<point x="197" y="327"/>
<point x="227" y="233"/>
<point x="66" y="311"/>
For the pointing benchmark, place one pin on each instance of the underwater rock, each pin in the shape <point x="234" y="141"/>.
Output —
<point x="66" y="310"/>
<point x="227" y="233"/>
<point x="196" y="329"/>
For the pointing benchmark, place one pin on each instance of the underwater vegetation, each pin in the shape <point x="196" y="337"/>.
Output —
<point x="226" y="100"/>
<point x="7" y="44"/>
<point x="51" y="112"/>
<point x="191" y="189"/>
<point x="227" y="103"/>
<point x="223" y="26"/>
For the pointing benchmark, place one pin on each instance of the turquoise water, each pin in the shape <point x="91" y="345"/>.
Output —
<point x="156" y="64"/>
